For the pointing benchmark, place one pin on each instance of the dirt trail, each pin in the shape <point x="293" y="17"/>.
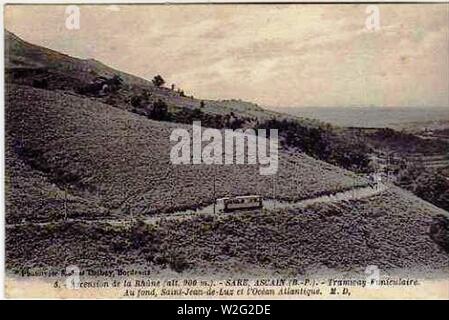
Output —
<point x="353" y="194"/>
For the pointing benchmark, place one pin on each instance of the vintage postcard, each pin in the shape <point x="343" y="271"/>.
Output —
<point x="227" y="151"/>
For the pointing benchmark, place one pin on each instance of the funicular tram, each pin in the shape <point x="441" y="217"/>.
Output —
<point x="229" y="204"/>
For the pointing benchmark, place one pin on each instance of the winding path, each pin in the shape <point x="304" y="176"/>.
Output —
<point x="353" y="194"/>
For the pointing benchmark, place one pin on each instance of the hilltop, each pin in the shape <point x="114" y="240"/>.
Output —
<point x="26" y="62"/>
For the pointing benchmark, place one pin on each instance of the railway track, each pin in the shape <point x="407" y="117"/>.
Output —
<point x="352" y="194"/>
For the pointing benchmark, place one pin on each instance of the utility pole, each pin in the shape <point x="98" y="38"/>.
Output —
<point x="295" y="181"/>
<point x="274" y="187"/>
<point x="215" y="198"/>
<point x="387" y="173"/>
<point x="65" y="203"/>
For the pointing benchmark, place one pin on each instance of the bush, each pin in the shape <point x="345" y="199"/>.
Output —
<point x="158" y="81"/>
<point x="439" y="231"/>
<point x="178" y="264"/>
<point x="159" y="111"/>
<point x="136" y="101"/>
<point x="322" y="143"/>
<point x="102" y="85"/>
<point x="139" y="234"/>
<point x="119" y="245"/>
<point x="40" y="83"/>
<point x="427" y="183"/>
<point x="114" y="84"/>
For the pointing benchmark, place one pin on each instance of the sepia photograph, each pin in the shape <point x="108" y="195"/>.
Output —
<point x="226" y="151"/>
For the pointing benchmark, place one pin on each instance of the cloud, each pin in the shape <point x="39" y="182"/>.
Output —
<point x="113" y="7"/>
<point x="286" y="55"/>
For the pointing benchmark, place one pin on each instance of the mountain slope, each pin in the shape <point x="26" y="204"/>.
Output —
<point x="72" y="155"/>
<point x="116" y="157"/>
<point x="25" y="62"/>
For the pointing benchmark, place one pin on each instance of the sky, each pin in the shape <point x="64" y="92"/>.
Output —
<point x="274" y="55"/>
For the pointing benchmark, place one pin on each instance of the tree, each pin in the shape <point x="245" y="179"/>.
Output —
<point x="197" y="115"/>
<point x="113" y="84"/>
<point x="159" y="110"/>
<point x="142" y="100"/>
<point x="136" y="101"/>
<point x="158" y="81"/>
<point x="181" y="92"/>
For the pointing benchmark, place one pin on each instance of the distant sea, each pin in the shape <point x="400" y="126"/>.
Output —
<point x="378" y="117"/>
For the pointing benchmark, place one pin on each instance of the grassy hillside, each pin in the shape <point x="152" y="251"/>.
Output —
<point x="29" y="64"/>
<point x="392" y="231"/>
<point x="73" y="154"/>
<point x="121" y="160"/>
